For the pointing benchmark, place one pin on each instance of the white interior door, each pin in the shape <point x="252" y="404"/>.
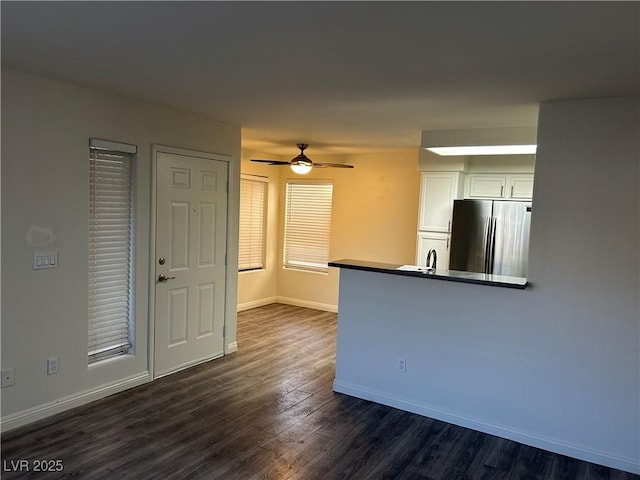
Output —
<point x="191" y="224"/>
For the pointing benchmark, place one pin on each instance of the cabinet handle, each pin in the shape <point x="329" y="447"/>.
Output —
<point x="501" y="190"/>
<point x="512" y="190"/>
<point x="447" y="244"/>
<point x="449" y="226"/>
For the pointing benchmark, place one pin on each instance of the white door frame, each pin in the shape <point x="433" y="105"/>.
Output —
<point x="231" y="270"/>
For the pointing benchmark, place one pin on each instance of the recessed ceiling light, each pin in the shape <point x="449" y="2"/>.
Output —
<point x="484" y="150"/>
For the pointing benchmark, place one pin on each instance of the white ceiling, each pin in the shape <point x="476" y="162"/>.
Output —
<point x="342" y="76"/>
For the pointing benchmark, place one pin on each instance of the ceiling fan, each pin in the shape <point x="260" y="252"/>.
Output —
<point x="303" y="164"/>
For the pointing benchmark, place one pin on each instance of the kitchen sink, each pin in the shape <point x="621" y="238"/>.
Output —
<point x="415" y="268"/>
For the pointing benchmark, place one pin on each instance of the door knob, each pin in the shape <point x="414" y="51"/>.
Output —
<point x="162" y="278"/>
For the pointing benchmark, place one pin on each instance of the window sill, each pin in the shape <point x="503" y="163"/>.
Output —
<point x="252" y="270"/>
<point x="304" y="270"/>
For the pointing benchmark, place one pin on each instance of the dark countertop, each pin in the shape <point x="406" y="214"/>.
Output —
<point x="447" y="275"/>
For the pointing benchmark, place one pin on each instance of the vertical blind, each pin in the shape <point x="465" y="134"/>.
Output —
<point x="253" y="197"/>
<point x="307" y="225"/>
<point x="111" y="252"/>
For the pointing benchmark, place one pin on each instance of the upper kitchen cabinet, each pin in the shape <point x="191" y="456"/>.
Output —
<point x="485" y="186"/>
<point x="499" y="187"/>
<point x="438" y="190"/>
<point x="521" y="187"/>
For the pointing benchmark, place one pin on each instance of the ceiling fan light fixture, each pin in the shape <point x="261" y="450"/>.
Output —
<point x="301" y="164"/>
<point x="301" y="167"/>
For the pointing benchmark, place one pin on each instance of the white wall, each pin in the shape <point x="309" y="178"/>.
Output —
<point x="500" y="164"/>
<point x="430" y="162"/>
<point x="557" y="365"/>
<point x="46" y="126"/>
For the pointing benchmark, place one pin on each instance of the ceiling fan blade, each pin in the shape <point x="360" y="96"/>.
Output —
<point x="335" y="165"/>
<point x="272" y="162"/>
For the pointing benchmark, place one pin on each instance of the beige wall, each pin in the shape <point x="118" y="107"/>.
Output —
<point x="259" y="287"/>
<point x="46" y="126"/>
<point x="374" y="217"/>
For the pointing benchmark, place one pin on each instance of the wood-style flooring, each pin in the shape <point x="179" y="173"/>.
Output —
<point x="269" y="412"/>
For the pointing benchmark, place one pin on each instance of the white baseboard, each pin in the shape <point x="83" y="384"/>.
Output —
<point x="307" y="304"/>
<point x="256" y="303"/>
<point x="18" y="419"/>
<point x="232" y="348"/>
<point x="528" y="438"/>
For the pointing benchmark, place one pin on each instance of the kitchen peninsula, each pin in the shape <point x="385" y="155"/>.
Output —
<point x="437" y="274"/>
<point x="554" y="365"/>
<point x="437" y="348"/>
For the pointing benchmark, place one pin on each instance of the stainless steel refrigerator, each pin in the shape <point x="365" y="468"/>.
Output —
<point x="490" y="236"/>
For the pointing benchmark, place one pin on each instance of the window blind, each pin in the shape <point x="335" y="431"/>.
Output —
<point x="111" y="252"/>
<point x="307" y="225"/>
<point x="253" y="198"/>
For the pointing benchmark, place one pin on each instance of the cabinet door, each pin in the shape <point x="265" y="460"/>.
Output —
<point x="438" y="241"/>
<point x="521" y="187"/>
<point x="437" y="192"/>
<point x="486" y="186"/>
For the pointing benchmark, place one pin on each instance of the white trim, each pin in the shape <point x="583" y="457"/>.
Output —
<point x="307" y="224"/>
<point x="232" y="348"/>
<point x="256" y="303"/>
<point x="151" y="330"/>
<point x="257" y="178"/>
<point x="231" y="270"/>
<point x="252" y="234"/>
<point x="527" y="438"/>
<point x="114" y="146"/>
<point x="315" y="271"/>
<point x="307" y="304"/>
<point x="186" y="365"/>
<point x="24" y="417"/>
<point x="190" y="153"/>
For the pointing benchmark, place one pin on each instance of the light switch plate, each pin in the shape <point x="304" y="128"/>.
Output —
<point x="43" y="260"/>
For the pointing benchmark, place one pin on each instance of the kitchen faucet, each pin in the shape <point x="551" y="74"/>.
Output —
<point x="432" y="266"/>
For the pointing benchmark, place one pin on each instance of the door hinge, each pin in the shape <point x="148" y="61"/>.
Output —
<point x="225" y="259"/>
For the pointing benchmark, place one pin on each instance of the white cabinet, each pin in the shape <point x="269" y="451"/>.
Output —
<point x="499" y="187"/>
<point x="439" y="242"/>
<point x="521" y="187"/>
<point x="437" y="192"/>
<point x="486" y="186"/>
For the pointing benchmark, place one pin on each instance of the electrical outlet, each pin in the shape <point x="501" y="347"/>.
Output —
<point x="52" y="365"/>
<point x="8" y="377"/>
<point x="402" y="365"/>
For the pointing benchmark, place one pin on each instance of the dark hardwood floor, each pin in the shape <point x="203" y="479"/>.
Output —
<point x="269" y="412"/>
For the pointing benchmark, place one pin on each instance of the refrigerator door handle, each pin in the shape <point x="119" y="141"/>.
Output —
<point x="485" y="243"/>
<point x="491" y="245"/>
